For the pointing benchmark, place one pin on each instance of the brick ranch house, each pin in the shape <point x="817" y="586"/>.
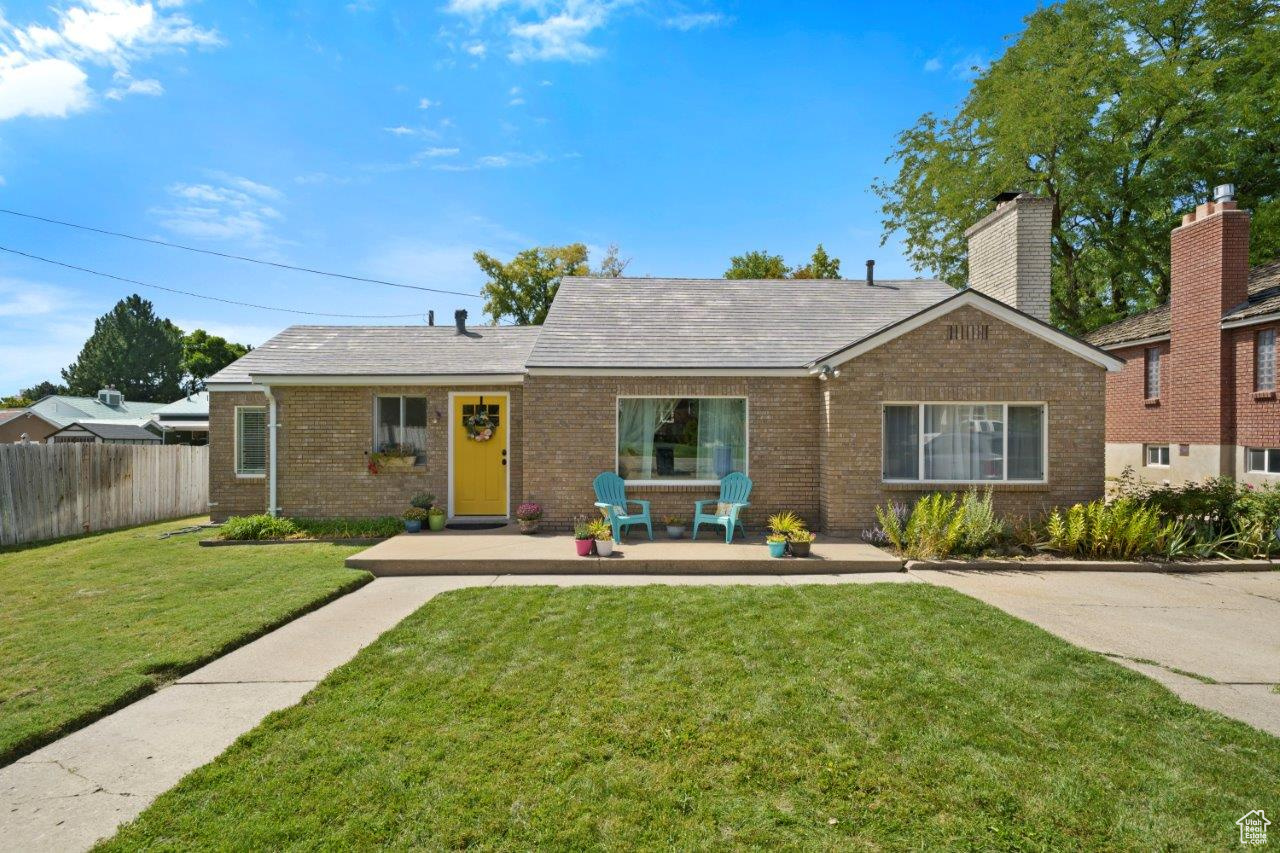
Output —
<point x="832" y="396"/>
<point x="1197" y="395"/>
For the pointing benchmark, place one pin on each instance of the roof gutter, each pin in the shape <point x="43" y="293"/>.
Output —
<point x="1251" y="321"/>
<point x="260" y="380"/>
<point x="1136" y="342"/>
<point x="668" y="371"/>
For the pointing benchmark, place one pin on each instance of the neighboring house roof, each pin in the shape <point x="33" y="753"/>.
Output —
<point x="387" y="351"/>
<point x="10" y="414"/>
<point x="191" y="406"/>
<point x="62" y="409"/>
<point x="113" y="430"/>
<point x="1264" y="299"/>
<point x="654" y="323"/>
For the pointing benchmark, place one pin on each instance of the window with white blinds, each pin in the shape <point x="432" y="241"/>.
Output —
<point x="251" y="441"/>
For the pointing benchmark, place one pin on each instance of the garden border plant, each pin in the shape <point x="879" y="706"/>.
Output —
<point x="265" y="529"/>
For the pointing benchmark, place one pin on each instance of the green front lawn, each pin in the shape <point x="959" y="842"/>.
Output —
<point x="91" y="623"/>
<point x="829" y="717"/>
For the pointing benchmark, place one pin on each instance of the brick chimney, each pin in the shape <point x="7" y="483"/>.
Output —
<point x="1009" y="253"/>
<point x="1209" y="274"/>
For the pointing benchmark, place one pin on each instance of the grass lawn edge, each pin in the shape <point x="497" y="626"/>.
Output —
<point x="160" y="679"/>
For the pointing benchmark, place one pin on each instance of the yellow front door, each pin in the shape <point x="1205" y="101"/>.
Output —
<point x="480" y="455"/>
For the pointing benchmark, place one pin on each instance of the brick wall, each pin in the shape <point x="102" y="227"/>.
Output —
<point x="324" y="437"/>
<point x="924" y="366"/>
<point x="1257" y="415"/>
<point x="1209" y="274"/>
<point x="1010" y="255"/>
<point x="228" y="494"/>
<point x="570" y="429"/>
<point x="1130" y="417"/>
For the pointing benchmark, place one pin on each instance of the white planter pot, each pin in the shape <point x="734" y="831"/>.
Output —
<point x="604" y="547"/>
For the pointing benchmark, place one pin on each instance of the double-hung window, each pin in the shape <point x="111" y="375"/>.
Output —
<point x="1152" y="387"/>
<point x="964" y="442"/>
<point x="681" y="439"/>
<point x="251" y="441"/>
<point x="1156" y="455"/>
<point x="400" y="423"/>
<point x="1264" y="361"/>
<point x="1263" y="460"/>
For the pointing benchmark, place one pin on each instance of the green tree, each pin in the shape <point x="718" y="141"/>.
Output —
<point x="204" y="354"/>
<point x="756" y="264"/>
<point x="41" y="390"/>
<point x="16" y="401"/>
<point x="611" y="265"/>
<point x="1125" y="114"/>
<point x="132" y="349"/>
<point x="522" y="289"/>
<point x="821" y="265"/>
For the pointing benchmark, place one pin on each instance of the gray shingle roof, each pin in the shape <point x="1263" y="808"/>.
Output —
<point x="385" y="351"/>
<point x="1264" y="298"/>
<point x="62" y="409"/>
<point x="115" y="431"/>
<point x="718" y="323"/>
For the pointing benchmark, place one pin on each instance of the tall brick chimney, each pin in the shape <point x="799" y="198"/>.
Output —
<point x="1009" y="253"/>
<point x="1209" y="274"/>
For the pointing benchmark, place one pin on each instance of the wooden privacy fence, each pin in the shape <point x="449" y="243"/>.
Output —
<point x="50" y="490"/>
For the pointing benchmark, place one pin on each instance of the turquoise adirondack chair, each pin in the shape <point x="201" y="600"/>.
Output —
<point x="734" y="491"/>
<point x="611" y="498"/>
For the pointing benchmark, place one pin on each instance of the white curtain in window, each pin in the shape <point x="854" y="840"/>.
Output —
<point x="388" y="423"/>
<point x="415" y="423"/>
<point x="963" y="442"/>
<point x="721" y="433"/>
<point x="638" y="420"/>
<point x="1026" y="443"/>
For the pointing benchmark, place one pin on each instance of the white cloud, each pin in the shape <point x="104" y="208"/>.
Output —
<point x="438" y="152"/>
<point x="542" y="30"/>
<point x="969" y="66"/>
<point x="478" y="49"/>
<point x="934" y="64"/>
<point x="400" y="130"/>
<point x="45" y="69"/>
<point x="21" y="298"/>
<point x="687" y="21"/>
<point x="150" y="87"/>
<point x="226" y="208"/>
<point x="494" y="161"/>
<point x="427" y="103"/>
<point x="515" y="102"/>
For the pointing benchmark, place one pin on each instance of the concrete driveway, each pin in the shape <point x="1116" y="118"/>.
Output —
<point x="1213" y="639"/>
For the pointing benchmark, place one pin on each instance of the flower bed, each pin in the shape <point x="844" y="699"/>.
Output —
<point x="266" y="528"/>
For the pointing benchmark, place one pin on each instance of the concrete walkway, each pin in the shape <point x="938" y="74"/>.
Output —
<point x="1213" y="639"/>
<point x="79" y="789"/>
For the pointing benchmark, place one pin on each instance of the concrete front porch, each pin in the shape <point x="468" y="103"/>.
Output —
<point x="506" y="552"/>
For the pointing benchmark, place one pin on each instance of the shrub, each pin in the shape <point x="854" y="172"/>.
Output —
<point x="981" y="527"/>
<point x="895" y="515"/>
<point x="1124" y="529"/>
<point x="248" y="528"/>
<point x="422" y="500"/>
<point x="785" y="523"/>
<point x="940" y="525"/>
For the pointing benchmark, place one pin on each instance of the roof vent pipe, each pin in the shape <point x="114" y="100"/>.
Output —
<point x="431" y="318"/>
<point x="1224" y="192"/>
<point x="460" y="319"/>
<point x="871" y="273"/>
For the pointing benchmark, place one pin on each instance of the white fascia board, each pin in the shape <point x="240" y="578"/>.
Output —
<point x="669" y="371"/>
<point x="1251" y="321"/>
<point x="478" y="379"/>
<point x="1140" y="342"/>
<point x="986" y="305"/>
<point x="216" y="387"/>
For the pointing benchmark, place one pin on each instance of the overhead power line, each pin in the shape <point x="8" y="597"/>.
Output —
<point x="230" y="256"/>
<point x="202" y="295"/>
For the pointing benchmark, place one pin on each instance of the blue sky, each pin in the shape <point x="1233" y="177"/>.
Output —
<point x="392" y="140"/>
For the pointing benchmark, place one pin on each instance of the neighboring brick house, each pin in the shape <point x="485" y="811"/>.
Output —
<point x="832" y="396"/>
<point x="1197" y="395"/>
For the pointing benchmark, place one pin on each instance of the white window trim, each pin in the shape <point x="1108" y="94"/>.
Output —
<point x="1146" y="463"/>
<point x="1003" y="481"/>
<point x="746" y="438"/>
<point x="1266" y="458"/>
<point x="401" y="397"/>
<point x="241" y="475"/>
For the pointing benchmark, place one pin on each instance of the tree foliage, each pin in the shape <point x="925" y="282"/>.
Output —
<point x="761" y="264"/>
<point x="41" y="390"/>
<point x="522" y="289"/>
<point x="1125" y="114"/>
<point x="821" y="265"/>
<point x="204" y="354"/>
<point x="132" y="349"/>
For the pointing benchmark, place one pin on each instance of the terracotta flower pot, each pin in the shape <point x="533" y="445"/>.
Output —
<point x="584" y="546"/>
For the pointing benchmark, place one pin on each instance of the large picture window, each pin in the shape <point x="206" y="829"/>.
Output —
<point x="251" y="441"/>
<point x="685" y="439"/>
<point x="400" y="422"/>
<point x="964" y="442"/>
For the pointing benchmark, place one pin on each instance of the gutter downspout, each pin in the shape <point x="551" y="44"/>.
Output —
<point x="272" y="425"/>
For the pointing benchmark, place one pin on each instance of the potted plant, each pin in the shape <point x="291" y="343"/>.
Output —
<point x="583" y="538"/>
<point x="675" y="526"/>
<point x="602" y="531"/>
<point x="528" y="515"/>
<point x="784" y="524"/>
<point x="799" y="541"/>
<point x="413" y="518"/>
<point x="435" y="518"/>
<point x="777" y="544"/>
<point x="423" y="500"/>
